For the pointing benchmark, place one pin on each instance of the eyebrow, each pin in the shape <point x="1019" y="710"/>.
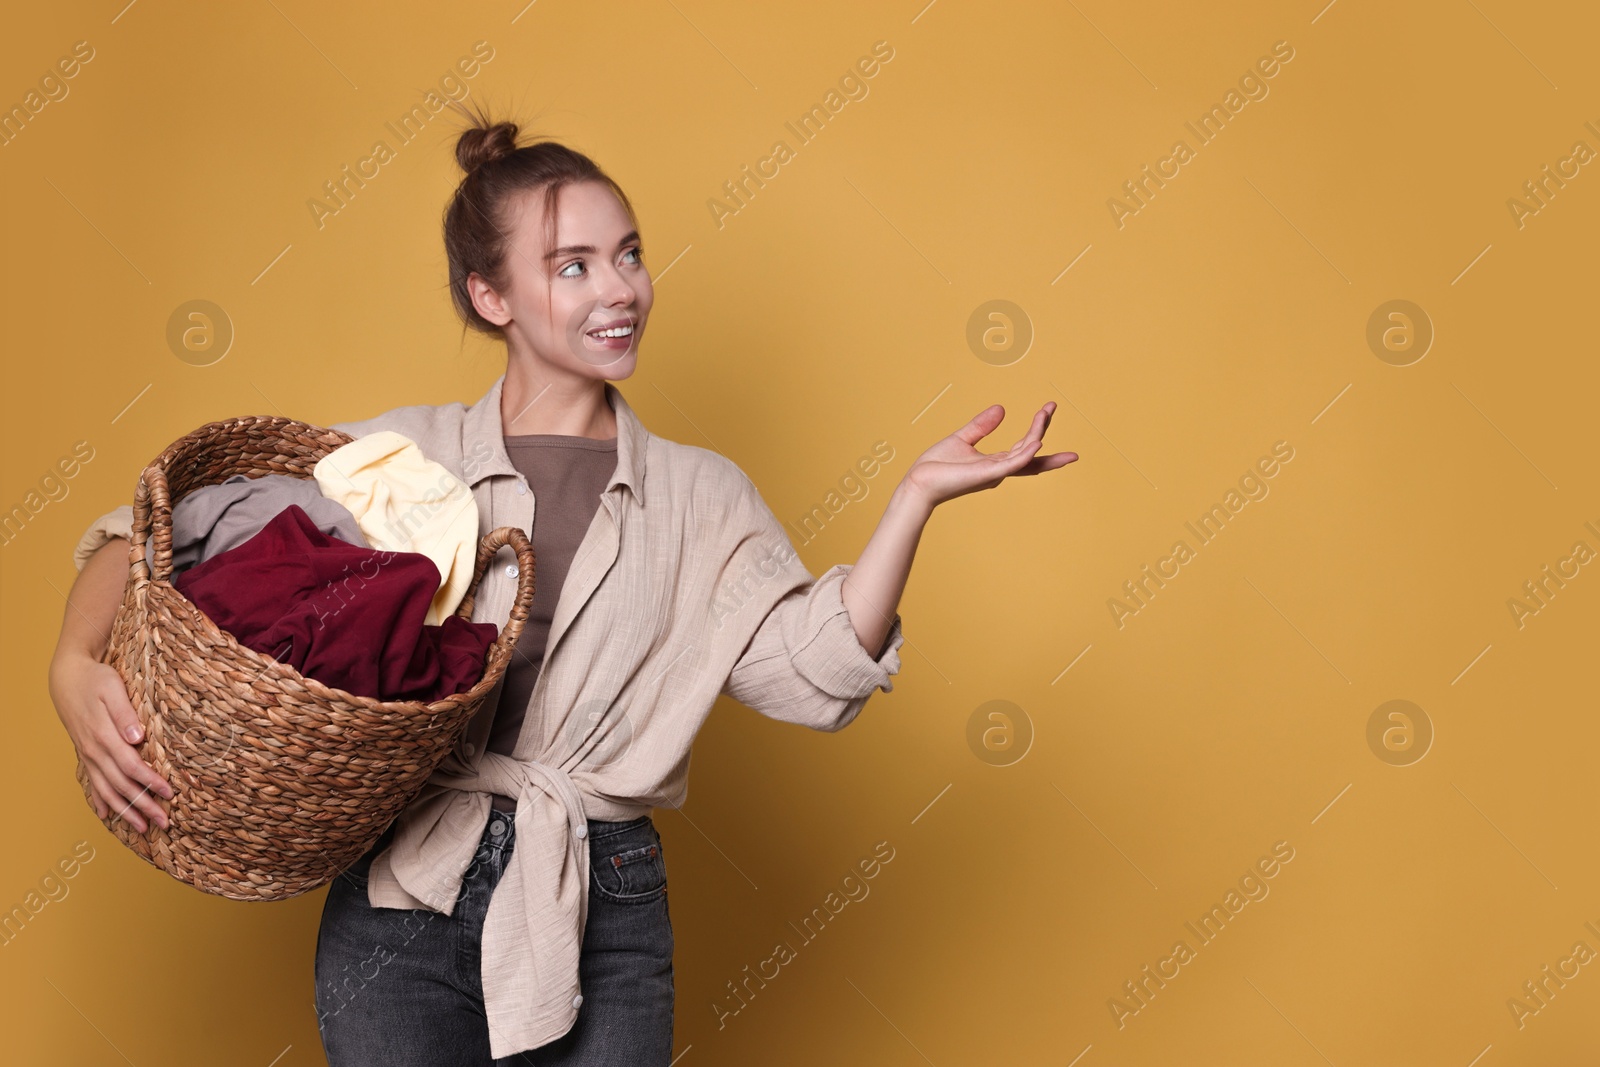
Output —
<point x="588" y="250"/>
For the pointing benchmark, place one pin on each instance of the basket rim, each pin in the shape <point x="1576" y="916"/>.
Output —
<point x="320" y="690"/>
<point x="142" y="575"/>
<point x="161" y="509"/>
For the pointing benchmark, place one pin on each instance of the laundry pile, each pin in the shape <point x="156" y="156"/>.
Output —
<point x="351" y="577"/>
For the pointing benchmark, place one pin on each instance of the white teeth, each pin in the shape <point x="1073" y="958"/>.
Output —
<point x="620" y="331"/>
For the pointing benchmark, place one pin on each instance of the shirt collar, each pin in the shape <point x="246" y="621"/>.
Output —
<point x="482" y="429"/>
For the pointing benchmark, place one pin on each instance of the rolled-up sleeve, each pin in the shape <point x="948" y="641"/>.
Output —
<point x="118" y="523"/>
<point x="805" y="663"/>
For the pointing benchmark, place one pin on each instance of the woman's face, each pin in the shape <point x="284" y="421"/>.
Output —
<point x="580" y="307"/>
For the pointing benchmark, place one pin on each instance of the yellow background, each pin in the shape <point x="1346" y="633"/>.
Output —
<point x="830" y="313"/>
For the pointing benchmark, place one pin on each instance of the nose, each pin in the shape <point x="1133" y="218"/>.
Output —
<point x="615" y="289"/>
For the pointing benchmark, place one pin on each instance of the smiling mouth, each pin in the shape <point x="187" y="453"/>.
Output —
<point x="618" y="331"/>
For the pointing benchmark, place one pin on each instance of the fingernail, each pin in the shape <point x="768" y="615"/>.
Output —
<point x="133" y="733"/>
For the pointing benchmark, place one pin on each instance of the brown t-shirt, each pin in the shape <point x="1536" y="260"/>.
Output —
<point x="566" y="475"/>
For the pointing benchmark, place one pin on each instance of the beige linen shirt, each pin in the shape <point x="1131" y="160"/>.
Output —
<point x="686" y="586"/>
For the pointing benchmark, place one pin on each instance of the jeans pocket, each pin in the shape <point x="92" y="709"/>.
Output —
<point x="629" y="869"/>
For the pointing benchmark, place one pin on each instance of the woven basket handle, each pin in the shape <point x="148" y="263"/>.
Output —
<point x="152" y="515"/>
<point x="492" y="542"/>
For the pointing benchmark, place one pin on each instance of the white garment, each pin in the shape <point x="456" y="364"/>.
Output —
<point x="405" y="502"/>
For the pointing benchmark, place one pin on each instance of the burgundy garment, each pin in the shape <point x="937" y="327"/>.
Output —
<point x="347" y="615"/>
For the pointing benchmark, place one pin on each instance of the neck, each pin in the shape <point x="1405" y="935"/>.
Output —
<point x="535" y="400"/>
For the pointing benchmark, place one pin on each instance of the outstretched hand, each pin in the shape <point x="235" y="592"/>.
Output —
<point x="954" y="467"/>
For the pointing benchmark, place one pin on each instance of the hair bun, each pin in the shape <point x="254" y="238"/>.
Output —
<point x="485" y="144"/>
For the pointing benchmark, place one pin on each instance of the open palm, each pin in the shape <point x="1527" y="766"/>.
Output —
<point x="954" y="467"/>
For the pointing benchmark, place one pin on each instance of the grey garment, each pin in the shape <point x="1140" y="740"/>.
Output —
<point x="215" y="518"/>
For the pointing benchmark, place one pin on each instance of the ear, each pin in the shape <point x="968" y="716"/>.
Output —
<point x="488" y="302"/>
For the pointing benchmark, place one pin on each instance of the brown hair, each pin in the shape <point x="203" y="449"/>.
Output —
<point x="476" y="223"/>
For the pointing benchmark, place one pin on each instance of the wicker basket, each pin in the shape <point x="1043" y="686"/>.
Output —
<point x="279" y="782"/>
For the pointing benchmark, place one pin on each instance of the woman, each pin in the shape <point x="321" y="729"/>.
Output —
<point x="519" y="902"/>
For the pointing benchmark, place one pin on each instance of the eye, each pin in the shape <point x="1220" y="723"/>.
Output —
<point x="575" y="263"/>
<point x="637" y="254"/>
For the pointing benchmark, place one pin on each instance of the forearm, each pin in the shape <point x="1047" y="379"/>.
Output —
<point x="93" y="601"/>
<point x="873" y="588"/>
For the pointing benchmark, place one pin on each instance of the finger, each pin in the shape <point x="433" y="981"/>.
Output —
<point x="982" y="424"/>
<point x="124" y="750"/>
<point x="119" y="807"/>
<point x="1049" y="413"/>
<point x="133" y="812"/>
<point x="1035" y="432"/>
<point x="123" y="717"/>
<point x="147" y="802"/>
<point x="990" y="470"/>
<point x="128" y="803"/>
<point x="1041" y="421"/>
<point x="134" y="766"/>
<point x="97" y="792"/>
<point x="1018" y="456"/>
<point x="1040" y="464"/>
<point x="130" y="732"/>
<point x="134" y="800"/>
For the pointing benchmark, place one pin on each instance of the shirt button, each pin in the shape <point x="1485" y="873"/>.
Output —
<point x="582" y="831"/>
<point x="511" y="571"/>
<point x="521" y="489"/>
<point x="469" y="748"/>
<point x="577" y="1001"/>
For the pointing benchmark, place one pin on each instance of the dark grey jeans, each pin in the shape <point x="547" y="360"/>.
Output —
<point x="396" y="988"/>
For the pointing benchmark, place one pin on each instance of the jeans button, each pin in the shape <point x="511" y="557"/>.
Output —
<point x="497" y="827"/>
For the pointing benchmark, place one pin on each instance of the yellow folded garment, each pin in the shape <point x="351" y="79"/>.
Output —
<point x="405" y="502"/>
